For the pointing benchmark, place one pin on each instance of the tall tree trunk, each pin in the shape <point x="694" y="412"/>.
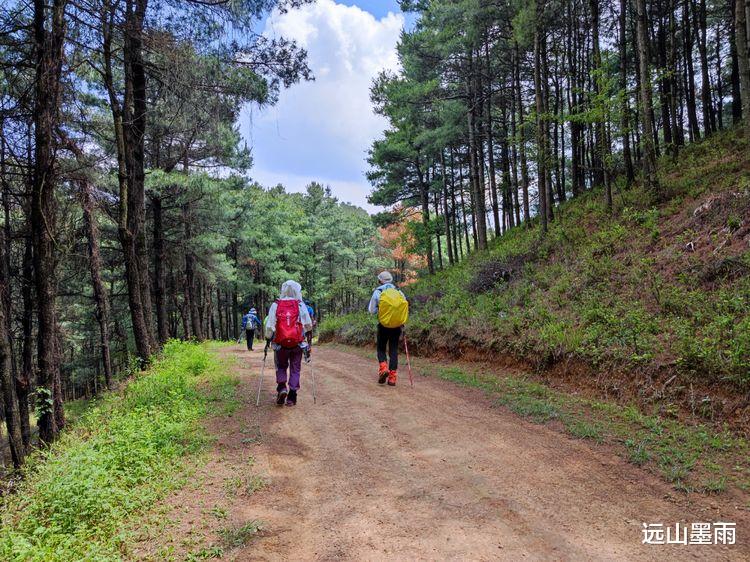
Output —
<point x="95" y="269"/>
<point x="464" y="214"/>
<point x="25" y="376"/>
<point x="122" y="123"/>
<point x="602" y="150"/>
<point x="709" y="116"/>
<point x="490" y="144"/>
<point x="719" y="81"/>
<point x="690" y="76"/>
<point x="666" y="121"/>
<point x="436" y="208"/>
<point x="624" y="107"/>
<point x="160" y="259"/>
<point x="541" y="124"/>
<point x="480" y="215"/>
<point x="191" y="297"/>
<point x="446" y="215"/>
<point x="424" y="196"/>
<point x="522" y="140"/>
<point x="134" y="237"/>
<point x="13" y="390"/>
<point x="513" y="150"/>
<point x="677" y="132"/>
<point x="647" y="138"/>
<point x="49" y="59"/>
<point x="505" y="166"/>
<point x="735" y="73"/>
<point x="7" y="382"/>
<point x="743" y="62"/>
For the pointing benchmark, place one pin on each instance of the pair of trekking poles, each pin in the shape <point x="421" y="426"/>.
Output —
<point x="312" y="371"/>
<point x="263" y="370"/>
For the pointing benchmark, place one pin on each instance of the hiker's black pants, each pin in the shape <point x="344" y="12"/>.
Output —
<point x="249" y="336"/>
<point x="388" y="337"/>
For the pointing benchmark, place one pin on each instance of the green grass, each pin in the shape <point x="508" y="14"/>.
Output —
<point x="235" y="537"/>
<point x="88" y="495"/>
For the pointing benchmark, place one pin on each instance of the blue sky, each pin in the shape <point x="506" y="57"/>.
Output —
<point x="321" y="130"/>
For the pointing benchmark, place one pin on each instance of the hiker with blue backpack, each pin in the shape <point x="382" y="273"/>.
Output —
<point x="286" y="324"/>
<point x="392" y="308"/>
<point x="310" y="311"/>
<point x="250" y="323"/>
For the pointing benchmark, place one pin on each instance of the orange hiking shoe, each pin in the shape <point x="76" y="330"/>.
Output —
<point x="382" y="372"/>
<point x="392" y="377"/>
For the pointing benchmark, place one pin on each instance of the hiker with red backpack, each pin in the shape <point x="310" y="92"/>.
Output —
<point x="286" y="324"/>
<point x="392" y="308"/>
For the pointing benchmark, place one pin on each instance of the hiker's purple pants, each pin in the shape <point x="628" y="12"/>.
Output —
<point x="289" y="359"/>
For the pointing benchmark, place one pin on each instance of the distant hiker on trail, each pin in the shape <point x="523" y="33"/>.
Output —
<point x="250" y="323"/>
<point x="286" y="324"/>
<point x="392" y="308"/>
<point x="311" y="312"/>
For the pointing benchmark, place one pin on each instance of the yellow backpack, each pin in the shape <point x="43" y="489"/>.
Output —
<point x="393" y="310"/>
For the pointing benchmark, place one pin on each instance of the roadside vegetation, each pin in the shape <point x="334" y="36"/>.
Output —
<point x="87" y="497"/>
<point x="647" y="305"/>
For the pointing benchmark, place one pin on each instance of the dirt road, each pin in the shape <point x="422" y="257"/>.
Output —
<point x="437" y="473"/>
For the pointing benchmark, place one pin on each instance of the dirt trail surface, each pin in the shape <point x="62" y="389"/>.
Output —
<point x="430" y="473"/>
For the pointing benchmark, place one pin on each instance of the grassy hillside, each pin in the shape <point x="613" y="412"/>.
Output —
<point x="89" y="496"/>
<point x="651" y="302"/>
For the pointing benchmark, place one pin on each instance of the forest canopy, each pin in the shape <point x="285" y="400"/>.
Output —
<point x="130" y="215"/>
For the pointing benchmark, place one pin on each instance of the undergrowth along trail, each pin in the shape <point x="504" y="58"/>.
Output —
<point x="88" y="495"/>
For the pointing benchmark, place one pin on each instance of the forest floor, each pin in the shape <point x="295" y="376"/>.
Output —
<point x="437" y="471"/>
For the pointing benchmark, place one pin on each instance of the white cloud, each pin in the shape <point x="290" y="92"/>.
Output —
<point x="321" y="130"/>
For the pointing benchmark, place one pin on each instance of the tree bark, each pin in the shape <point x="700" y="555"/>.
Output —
<point x="602" y="150"/>
<point x="446" y="215"/>
<point x="522" y="141"/>
<point x="25" y="376"/>
<point x="7" y="382"/>
<point x="130" y="215"/>
<point x="160" y="259"/>
<point x="95" y="269"/>
<point x="624" y="107"/>
<point x="735" y="73"/>
<point x="191" y="300"/>
<point x="709" y="116"/>
<point x="650" y="179"/>
<point x="49" y="59"/>
<point x="743" y="63"/>
<point x="540" y="121"/>
<point x="690" y="73"/>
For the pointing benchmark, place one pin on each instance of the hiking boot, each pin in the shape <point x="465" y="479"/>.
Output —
<point x="392" y="377"/>
<point x="291" y="399"/>
<point x="382" y="372"/>
<point x="281" y="394"/>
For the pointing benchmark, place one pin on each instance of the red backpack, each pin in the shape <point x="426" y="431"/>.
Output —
<point x="289" y="331"/>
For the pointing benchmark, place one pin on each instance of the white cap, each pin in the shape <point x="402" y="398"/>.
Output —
<point x="385" y="277"/>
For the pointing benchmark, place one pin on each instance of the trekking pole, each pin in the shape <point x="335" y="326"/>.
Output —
<point x="408" y="361"/>
<point x="308" y="360"/>
<point x="262" y="370"/>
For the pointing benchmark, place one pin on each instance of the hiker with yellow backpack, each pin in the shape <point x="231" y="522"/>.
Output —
<point x="392" y="308"/>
